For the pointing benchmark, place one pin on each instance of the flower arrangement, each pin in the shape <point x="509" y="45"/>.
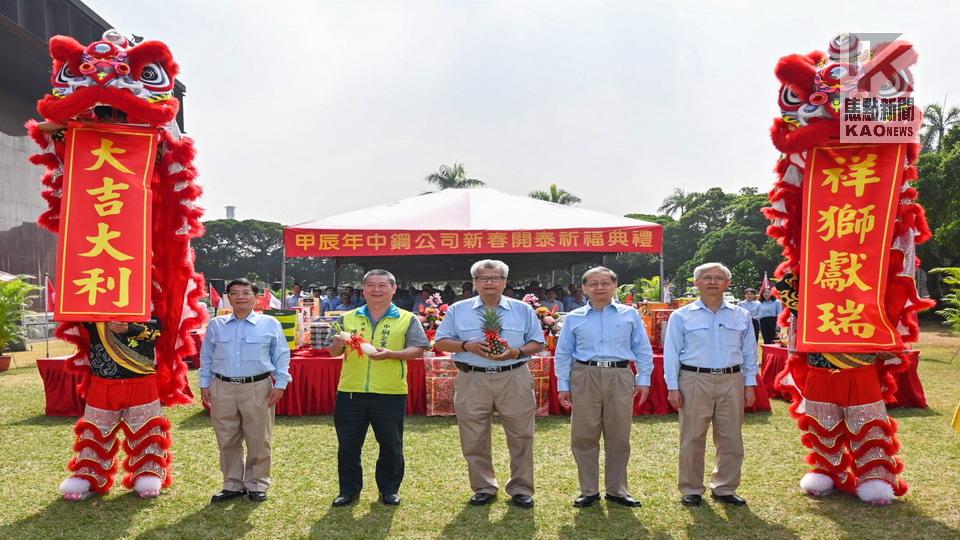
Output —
<point x="431" y="315"/>
<point x="549" y="320"/>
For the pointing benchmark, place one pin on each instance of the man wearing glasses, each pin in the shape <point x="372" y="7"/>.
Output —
<point x="489" y="383"/>
<point x="596" y="346"/>
<point x="244" y="369"/>
<point x="710" y="365"/>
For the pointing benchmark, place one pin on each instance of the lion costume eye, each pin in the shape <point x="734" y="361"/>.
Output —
<point x="788" y="100"/>
<point x="154" y="75"/>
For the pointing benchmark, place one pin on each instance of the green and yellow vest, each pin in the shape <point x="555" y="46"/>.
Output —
<point x="359" y="372"/>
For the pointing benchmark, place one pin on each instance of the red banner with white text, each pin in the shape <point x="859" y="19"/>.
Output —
<point x="371" y="243"/>
<point x="850" y="197"/>
<point x="104" y="247"/>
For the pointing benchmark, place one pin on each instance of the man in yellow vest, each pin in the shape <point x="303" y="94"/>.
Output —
<point x="373" y="388"/>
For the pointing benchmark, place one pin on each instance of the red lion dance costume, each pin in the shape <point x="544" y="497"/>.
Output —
<point x="839" y="395"/>
<point x="128" y="374"/>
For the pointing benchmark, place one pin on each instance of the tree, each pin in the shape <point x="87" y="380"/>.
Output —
<point x="936" y="122"/>
<point x="677" y="201"/>
<point x="452" y="178"/>
<point x="745" y="276"/>
<point x="556" y="195"/>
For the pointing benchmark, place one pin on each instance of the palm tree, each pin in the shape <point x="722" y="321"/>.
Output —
<point x="677" y="201"/>
<point x="556" y="195"/>
<point x="936" y="124"/>
<point x="452" y="178"/>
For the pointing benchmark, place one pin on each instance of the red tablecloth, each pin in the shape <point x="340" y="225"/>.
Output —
<point x="656" y="402"/>
<point x="909" y="389"/>
<point x="314" y="386"/>
<point x="60" y="387"/>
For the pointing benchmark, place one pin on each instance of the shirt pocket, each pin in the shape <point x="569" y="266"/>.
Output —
<point x="514" y="334"/>
<point x="255" y="348"/>
<point x="222" y="348"/>
<point x="621" y="333"/>
<point x="699" y="337"/>
<point x="731" y="334"/>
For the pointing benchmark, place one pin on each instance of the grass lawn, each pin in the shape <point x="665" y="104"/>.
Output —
<point x="34" y="450"/>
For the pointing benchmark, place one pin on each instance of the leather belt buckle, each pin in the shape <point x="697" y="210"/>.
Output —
<point x="236" y="380"/>
<point x="604" y="364"/>
<point x="491" y="369"/>
<point x="717" y="371"/>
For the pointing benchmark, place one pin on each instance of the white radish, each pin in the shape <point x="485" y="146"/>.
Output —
<point x="344" y="335"/>
<point x="367" y="348"/>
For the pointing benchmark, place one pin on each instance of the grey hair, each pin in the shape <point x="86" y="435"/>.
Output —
<point x="489" y="263"/>
<point x="380" y="272"/>
<point x="598" y="270"/>
<point x="698" y="271"/>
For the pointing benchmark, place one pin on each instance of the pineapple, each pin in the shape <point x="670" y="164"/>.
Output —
<point x="492" y="325"/>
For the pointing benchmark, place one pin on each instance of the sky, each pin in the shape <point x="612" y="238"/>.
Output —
<point x="303" y="110"/>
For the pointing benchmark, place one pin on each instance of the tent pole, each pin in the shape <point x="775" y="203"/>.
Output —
<point x="283" y="278"/>
<point x="335" y="286"/>
<point x="663" y="289"/>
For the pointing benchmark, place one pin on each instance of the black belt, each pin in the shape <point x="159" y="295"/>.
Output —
<point x="715" y="371"/>
<point x="242" y="380"/>
<point x="467" y="367"/>
<point x="617" y="363"/>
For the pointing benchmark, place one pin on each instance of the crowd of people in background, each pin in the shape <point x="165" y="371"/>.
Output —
<point x="564" y="299"/>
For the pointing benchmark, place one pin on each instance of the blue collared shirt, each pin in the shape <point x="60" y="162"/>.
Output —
<point x="464" y="322"/>
<point x="614" y="333"/>
<point x="699" y="337"/>
<point x="243" y="348"/>
<point x="752" y="307"/>
<point x="770" y="308"/>
<point x="292" y="301"/>
<point x="329" y="304"/>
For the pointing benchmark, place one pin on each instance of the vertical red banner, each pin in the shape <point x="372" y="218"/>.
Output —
<point x="850" y="196"/>
<point x="104" y="247"/>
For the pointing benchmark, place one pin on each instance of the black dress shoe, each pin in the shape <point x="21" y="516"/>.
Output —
<point x="257" y="496"/>
<point x="390" y="499"/>
<point x="626" y="500"/>
<point x="480" y="499"/>
<point x="344" y="500"/>
<point x="226" y="494"/>
<point x="735" y="500"/>
<point x="691" y="500"/>
<point x="522" y="501"/>
<point x="584" y="501"/>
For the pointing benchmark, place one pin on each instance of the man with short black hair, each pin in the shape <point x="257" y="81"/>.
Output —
<point x="592" y="363"/>
<point x="296" y="293"/>
<point x="373" y="388"/>
<point x="244" y="369"/>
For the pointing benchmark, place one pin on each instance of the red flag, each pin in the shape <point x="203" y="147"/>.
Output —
<point x="215" y="299"/>
<point x="51" y="295"/>
<point x="270" y="301"/>
<point x="765" y="284"/>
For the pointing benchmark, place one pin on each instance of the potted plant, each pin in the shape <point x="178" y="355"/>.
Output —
<point x="14" y="295"/>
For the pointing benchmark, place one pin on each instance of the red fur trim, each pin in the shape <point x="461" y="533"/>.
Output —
<point x="812" y="440"/>
<point x="790" y="139"/>
<point x="842" y="480"/>
<point x="820" y="462"/>
<point x="65" y="50"/>
<point x="139" y="111"/>
<point x="82" y="426"/>
<point x="74" y="465"/>
<point x="797" y="71"/>
<point x="151" y="51"/>
<point x="94" y="487"/>
<point x="35" y="133"/>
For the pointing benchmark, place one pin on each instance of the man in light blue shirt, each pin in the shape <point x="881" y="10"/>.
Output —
<point x="575" y="300"/>
<point x="293" y="301"/>
<point x="244" y="369"/>
<point x="710" y="366"/>
<point x="597" y="344"/>
<point x="489" y="382"/>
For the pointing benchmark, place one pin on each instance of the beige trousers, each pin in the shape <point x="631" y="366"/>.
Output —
<point x="717" y="399"/>
<point x="240" y="416"/>
<point x="602" y="405"/>
<point x="510" y="393"/>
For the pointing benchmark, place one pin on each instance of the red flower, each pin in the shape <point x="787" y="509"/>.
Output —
<point x="443" y="308"/>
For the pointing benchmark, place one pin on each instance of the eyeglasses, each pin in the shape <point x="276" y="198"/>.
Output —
<point x="599" y="284"/>
<point x="243" y="293"/>
<point x="713" y="278"/>
<point x="489" y="279"/>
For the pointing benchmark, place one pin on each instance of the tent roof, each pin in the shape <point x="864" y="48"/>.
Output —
<point x="476" y="209"/>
